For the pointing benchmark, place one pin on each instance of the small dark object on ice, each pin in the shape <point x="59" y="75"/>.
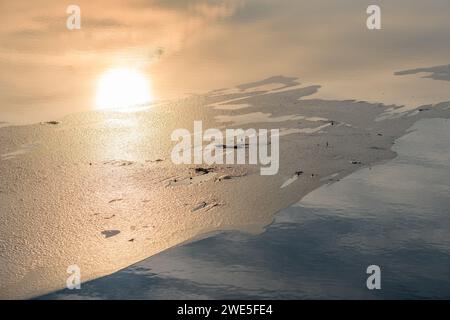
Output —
<point x="235" y="146"/>
<point x="355" y="162"/>
<point x="213" y="206"/>
<point x="110" y="233"/>
<point x="298" y="173"/>
<point x="225" y="177"/>
<point x="131" y="240"/>
<point x="379" y="134"/>
<point x="203" y="170"/>
<point x="199" y="206"/>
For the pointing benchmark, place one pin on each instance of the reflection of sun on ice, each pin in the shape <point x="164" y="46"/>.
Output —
<point x="122" y="88"/>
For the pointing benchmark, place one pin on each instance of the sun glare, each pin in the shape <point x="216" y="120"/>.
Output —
<point x="122" y="89"/>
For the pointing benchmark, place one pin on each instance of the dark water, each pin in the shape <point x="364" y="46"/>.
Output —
<point x="394" y="215"/>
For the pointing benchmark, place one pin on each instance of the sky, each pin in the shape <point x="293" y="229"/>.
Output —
<point x="191" y="47"/>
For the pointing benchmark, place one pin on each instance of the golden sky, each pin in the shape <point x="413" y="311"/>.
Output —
<point x="194" y="46"/>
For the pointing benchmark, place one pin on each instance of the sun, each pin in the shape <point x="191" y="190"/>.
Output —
<point x="122" y="88"/>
